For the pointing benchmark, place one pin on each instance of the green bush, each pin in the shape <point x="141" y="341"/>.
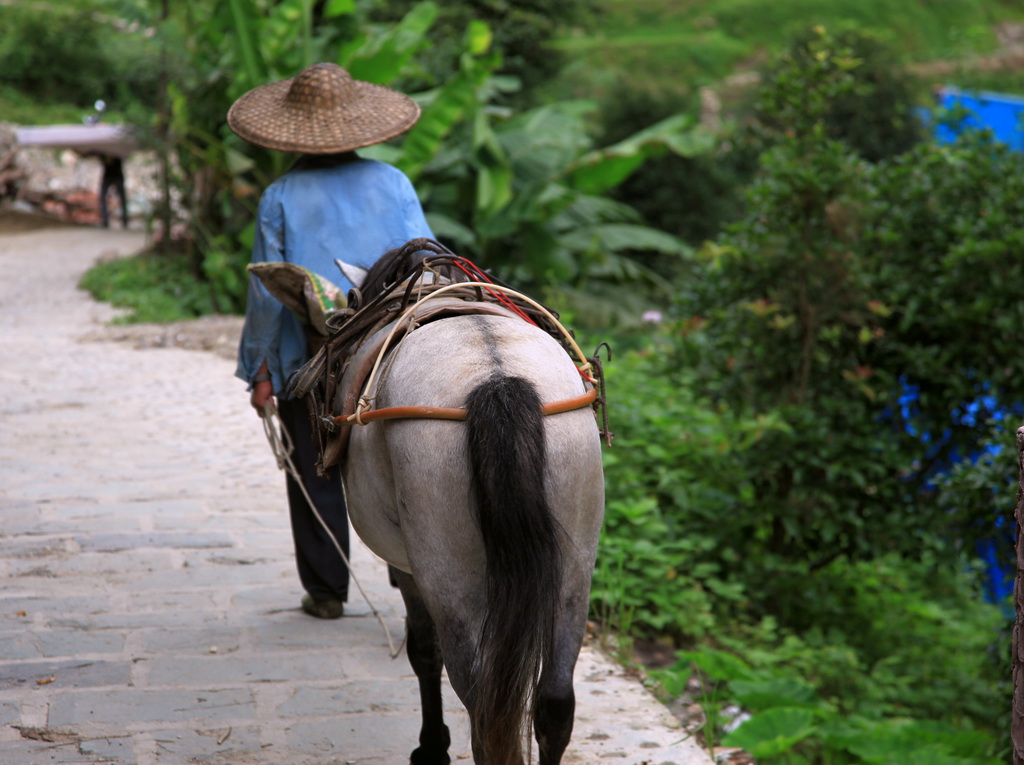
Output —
<point x="152" y="288"/>
<point x="889" y="647"/>
<point x="64" y="61"/>
<point x="822" y="546"/>
<point x="690" y="197"/>
<point x="673" y="480"/>
<point x="901" y="672"/>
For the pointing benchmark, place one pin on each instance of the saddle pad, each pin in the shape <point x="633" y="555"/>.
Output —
<point x="309" y="296"/>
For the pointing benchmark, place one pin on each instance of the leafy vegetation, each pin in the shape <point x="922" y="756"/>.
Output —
<point x="696" y="197"/>
<point x="69" y="56"/>
<point x="523" y="31"/>
<point x="519" y="190"/>
<point x="796" y="496"/>
<point x="153" y="289"/>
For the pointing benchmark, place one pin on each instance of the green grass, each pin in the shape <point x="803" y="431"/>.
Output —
<point x="153" y="288"/>
<point x="680" y="46"/>
<point x="22" y="109"/>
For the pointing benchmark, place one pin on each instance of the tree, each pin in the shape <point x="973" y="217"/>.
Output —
<point x="75" y="54"/>
<point x="846" y="286"/>
<point x="875" y="116"/>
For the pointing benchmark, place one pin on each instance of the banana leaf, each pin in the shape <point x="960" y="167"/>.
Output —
<point x="606" y="168"/>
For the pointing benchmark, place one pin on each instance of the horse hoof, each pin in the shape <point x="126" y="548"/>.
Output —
<point x="421" y="756"/>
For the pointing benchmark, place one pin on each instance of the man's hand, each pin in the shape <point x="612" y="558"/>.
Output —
<point x="262" y="392"/>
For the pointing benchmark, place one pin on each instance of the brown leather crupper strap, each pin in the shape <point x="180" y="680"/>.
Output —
<point x="333" y="380"/>
<point x="454" y="413"/>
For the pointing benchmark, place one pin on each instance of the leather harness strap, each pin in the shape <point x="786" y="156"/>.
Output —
<point x="454" y="413"/>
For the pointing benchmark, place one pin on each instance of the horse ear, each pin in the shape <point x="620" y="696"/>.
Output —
<point x="352" y="272"/>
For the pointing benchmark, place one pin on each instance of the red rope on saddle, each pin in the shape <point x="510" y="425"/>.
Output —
<point x="474" y="272"/>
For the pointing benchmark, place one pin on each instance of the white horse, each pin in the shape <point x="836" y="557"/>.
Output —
<point x="490" y="524"/>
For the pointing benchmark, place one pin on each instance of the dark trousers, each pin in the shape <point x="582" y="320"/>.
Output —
<point x="322" y="571"/>
<point x="113" y="178"/>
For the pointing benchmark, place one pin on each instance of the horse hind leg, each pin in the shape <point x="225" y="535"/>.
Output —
<point x="555" y="700"/>
<point x="555" y="704"/>
<point x="425" y="657"/>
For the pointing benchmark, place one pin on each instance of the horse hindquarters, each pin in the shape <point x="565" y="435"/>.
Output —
<point x="507" y="587"/>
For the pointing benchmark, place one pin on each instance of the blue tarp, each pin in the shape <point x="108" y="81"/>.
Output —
<point x="996" y="553"/>
<point x="999" y="112"/>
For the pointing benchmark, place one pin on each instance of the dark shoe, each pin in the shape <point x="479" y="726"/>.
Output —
<point x="323" y="609"/>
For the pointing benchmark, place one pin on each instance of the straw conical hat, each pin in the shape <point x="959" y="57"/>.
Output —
<point x="322" y="110"/>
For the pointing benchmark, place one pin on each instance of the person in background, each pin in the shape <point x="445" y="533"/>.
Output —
<point x="113" y="173"/>
<point x="113" y="177"/>
<point x="330" y="204"/>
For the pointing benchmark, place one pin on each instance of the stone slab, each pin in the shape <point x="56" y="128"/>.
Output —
<point x="151" y="706"/>
<point x="74" y="673"/>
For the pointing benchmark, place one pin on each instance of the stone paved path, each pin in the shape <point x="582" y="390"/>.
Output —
<point x="149" y="603"/>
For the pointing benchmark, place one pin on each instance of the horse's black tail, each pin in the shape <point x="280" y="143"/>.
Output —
<point x="522" y="540"/>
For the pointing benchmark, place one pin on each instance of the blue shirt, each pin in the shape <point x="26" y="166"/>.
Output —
<point x="323" y="208"/>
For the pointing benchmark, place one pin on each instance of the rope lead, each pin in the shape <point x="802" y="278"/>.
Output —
<point x="281" y="444"/>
